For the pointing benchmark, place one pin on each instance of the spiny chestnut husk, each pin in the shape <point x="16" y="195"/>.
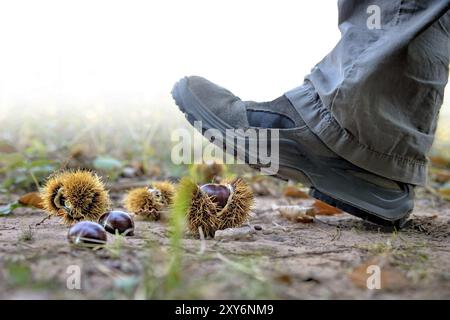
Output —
<point x="149" y="202"/>
<point x="215" y="206"/>
<point x="87" y="232"/>
<point x="75" y="196"/>
<point x="117" y="221"/>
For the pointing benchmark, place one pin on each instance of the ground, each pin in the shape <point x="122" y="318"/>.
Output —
<point x="325" y="259"/>
<point x="133" y="140"/>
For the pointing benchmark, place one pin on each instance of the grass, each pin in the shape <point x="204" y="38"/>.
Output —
<point x="202" y="276"/>
<point x="410" y="257"/>
<point x="26" y="235"/>
<point x="115" y="247"/>
<point x="19" y="274"/>
<point x="177" y="224"/>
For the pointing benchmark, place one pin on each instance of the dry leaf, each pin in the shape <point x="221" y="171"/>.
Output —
<point x="442" y="176"/>
<point x="284" y="279"/>
<point x="234" y="233"/>
<point x="445" y="193"/>
<point x="263" y="187"/>
<point x="294" y="192"/>
<point x="297" y="213"/>
<point x="323" y="209"/>
<point x="7" y="148"/>
<point x="32" y="199"/>
<point x="391" y="279"/>
<point x="440" y="161"/>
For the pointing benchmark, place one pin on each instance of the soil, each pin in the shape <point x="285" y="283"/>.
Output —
<point x="325" y="259"/>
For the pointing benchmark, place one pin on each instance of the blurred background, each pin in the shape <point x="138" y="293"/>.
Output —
<point x="87" y="83"/>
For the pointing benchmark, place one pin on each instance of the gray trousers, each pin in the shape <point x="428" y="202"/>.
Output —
<point x="375" y="98"/>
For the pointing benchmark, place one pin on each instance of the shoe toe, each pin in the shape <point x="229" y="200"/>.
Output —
<point x="202" y="96"/>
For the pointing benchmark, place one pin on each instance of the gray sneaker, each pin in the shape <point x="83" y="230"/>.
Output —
<point x="302" y="156"/>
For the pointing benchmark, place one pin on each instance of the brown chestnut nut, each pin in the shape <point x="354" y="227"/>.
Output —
<point x="117" y="221"/>
<point x="87" y="232"/>
<point x="213" y="207"/>
<point x="217" y="192"/>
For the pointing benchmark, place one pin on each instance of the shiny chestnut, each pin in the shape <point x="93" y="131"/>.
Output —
<point x="87" y="232"/>
<point x="117" y="221"/>
<point x="217" y="192"/>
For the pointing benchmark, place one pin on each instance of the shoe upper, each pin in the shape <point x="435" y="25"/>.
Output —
<point x="220" y="101"/>
<point x="277" y="114"/>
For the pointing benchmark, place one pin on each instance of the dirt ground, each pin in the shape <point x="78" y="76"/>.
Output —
<point x="326" y="259"/>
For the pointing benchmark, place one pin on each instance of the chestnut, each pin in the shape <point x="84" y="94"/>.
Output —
<point x="117" y="221"/>
<point x="213" y="207"/>
<point x="87" y="232"/>
<point x="217" y="192"/>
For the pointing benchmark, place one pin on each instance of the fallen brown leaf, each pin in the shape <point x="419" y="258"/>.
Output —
<point x="284" y="279"/>
<point x="445" y="193"/>
<point x="234" y="233"/>
<point x="32" y="199"/>
<point x="294" y="192"/>
<point x="262" y="187"/>
<point x="7" y="148"/>
<point x="323" y="209"/>
<point x="442" y="176"/>
<point x="297" y="213"/>
<point x="440" y="161"/>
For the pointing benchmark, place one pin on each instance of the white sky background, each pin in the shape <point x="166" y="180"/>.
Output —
<point x="87" y="52"/>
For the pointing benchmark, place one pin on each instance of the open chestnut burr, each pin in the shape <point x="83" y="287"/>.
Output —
<point x="212" y="207"/>
<point x="150" y="202"/>
<point x="75" y="195"/>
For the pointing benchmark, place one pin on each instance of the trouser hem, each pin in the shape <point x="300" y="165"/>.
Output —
<point x="322" y="123"/>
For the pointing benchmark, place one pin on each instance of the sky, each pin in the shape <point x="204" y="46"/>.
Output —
<point x="87" y="52"/>
<point x="93" y="50"/>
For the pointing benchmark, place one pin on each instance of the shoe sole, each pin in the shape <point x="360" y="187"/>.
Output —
<point x="328" y="178"/>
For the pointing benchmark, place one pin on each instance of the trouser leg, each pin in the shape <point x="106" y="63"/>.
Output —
<point x="375" y="98"/>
